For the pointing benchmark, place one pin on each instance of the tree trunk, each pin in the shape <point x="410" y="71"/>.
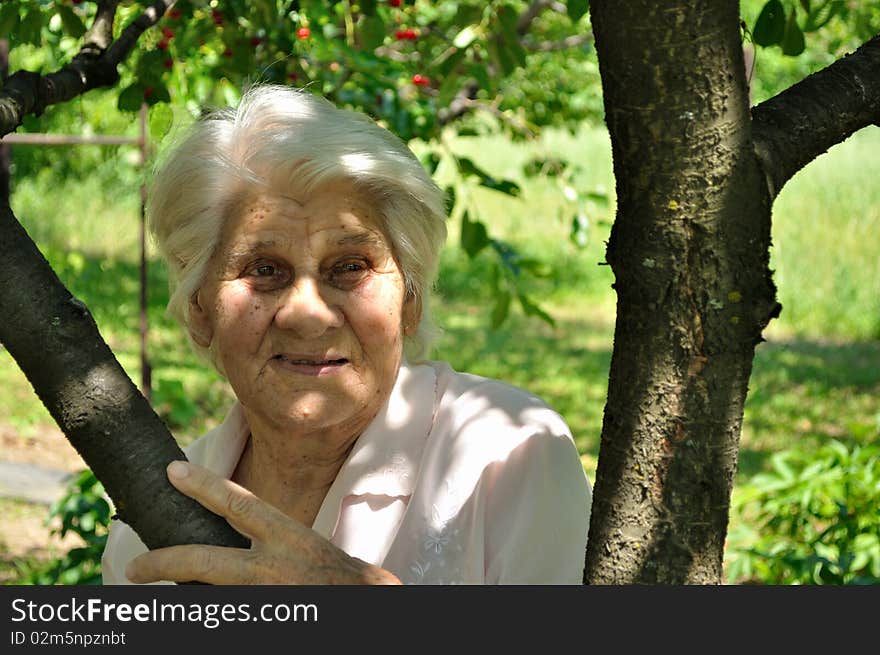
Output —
<point x="690" y="251"/>
<point x="56" y="343"/>
<point x="5" y="154"/>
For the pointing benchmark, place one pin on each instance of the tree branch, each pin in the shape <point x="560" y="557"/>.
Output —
<point x="460" y="105"/>
<point x="100" y="34"/>
<point x="799" y="124"/>
<point x="53" y="338"/>
<point x="121" y="47"/>
<point x="95" y="65"/>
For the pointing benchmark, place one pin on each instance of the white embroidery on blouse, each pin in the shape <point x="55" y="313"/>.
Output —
<point x="440" y="543"/>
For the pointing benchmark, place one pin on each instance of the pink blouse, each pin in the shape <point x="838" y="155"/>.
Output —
<point x="458" y="480"/>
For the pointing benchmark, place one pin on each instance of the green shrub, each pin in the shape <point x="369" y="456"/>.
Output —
<point x="813" y="519"/>
<point x="85" y="511"/>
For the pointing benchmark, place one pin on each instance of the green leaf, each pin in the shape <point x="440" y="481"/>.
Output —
<point x="770" y="26"/>
<point x="474" y="236"/>
<point x="531" y="309"/>
<point x="509" y="37"/>
<point x="449" y="192"/>
<point x="793" y="41"/>
<point x="430" y="161"/>
<point x="372" y="32"/>
<point x="576" y="9"/>
<point x="8" y="17"/>
<point x="368" y="7"/>
<point x="481" y="74"/>
<point x="598" y="197"/>
<point x="806" y="5"/>
<point x="448" y="89"/>
<point x="820" y="16"/>
<point x="160" y="119"/>
<point x="73" y="25"/>
<point x="509" y="187"/>
<point x="536" y="267"/>
<point x="501" y="56"/>
<point x="159" y="94"/>
<point x="449" y="62"/>
<point x="501" y="308"/>
<point x="468" y="14"/>
<point x="131" y="97"/>
<point x="31" y="27"/>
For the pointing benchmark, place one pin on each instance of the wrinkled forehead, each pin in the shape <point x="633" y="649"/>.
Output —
<point x="336" y="211"/>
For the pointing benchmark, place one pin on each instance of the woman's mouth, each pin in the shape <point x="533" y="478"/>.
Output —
<point x="307" y="365"/>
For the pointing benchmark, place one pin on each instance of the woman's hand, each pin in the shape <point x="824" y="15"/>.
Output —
<point x="283" y="551"/>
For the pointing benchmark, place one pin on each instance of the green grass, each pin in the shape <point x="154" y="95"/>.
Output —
<point x="826" y="227"/>
<point x="818" y="376"/>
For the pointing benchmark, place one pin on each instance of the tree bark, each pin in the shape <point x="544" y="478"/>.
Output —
<point x="689" y="250"/>
<point x="5" y="149"/>
<point x="54" y="340"/>
<point x="796" y="126"/>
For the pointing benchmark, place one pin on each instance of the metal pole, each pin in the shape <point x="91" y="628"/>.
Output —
<point x="29" y="139"/>
<point x="146" y="368"/>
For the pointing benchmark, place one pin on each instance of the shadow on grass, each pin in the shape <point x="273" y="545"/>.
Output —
<point x="805" y="393"/>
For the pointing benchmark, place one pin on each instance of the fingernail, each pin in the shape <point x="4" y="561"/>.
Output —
<point x="178" y="470"/>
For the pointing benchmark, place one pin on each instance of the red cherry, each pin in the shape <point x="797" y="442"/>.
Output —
<point x="303" y="33"/>
<point x="393" y="3"/>
<point x="406" y="35"/>
<point x="420" y="80"/>
<point x="168" y="33"/>
<point x="334" y="66"/>
<point x="162" y="45"/>
<point x="168" y="64"/>
<point x="77" y="2"/>
<point x="256" y="40"/>
<point x="293" y="77"/>
<point x="148" y="91"/>
<point x="228" y="53"/>
<point x="174" y="13"/>
<point x="217" y="16"/>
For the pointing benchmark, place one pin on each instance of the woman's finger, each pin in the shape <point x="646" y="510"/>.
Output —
<point x="244" y="511"/>
<point x="192" y="563"/>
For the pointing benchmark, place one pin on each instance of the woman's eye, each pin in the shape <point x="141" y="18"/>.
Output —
<point x="266" y="275"/>
<point x="348" y="272"/>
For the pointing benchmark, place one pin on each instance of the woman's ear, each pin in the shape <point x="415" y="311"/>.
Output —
<point x="200" y="328"/>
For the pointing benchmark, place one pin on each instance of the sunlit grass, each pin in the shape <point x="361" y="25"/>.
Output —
<point x="826" y="222"/>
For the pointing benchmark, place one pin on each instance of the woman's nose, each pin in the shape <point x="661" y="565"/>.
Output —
<point x="306" y="311"/>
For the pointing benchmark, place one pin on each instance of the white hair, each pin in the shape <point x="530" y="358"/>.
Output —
<point x="281" y="138"/>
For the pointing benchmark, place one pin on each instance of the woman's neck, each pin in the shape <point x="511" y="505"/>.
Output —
<point x="291" y="474"/>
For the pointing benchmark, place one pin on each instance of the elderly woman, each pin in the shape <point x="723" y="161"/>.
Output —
<point x="303" y="241"/>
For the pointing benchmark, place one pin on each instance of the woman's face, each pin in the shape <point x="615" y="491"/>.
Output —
<point x="304" y="308"/>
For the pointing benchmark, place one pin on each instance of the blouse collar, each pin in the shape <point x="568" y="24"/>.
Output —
<point x="383" y="461"/>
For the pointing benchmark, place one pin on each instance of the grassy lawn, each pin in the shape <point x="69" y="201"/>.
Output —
<point x="817" y="377"/>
